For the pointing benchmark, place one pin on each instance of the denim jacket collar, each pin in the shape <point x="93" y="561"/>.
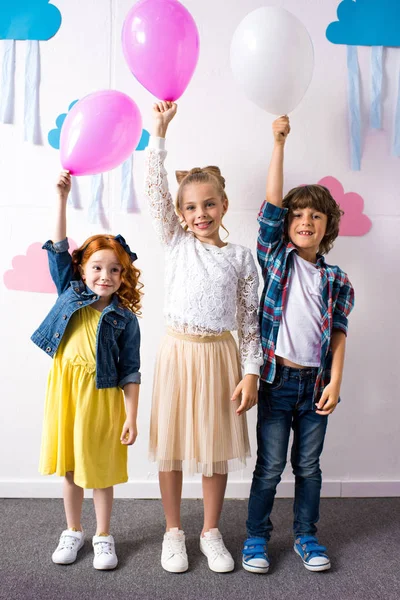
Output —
<point x="81" y="289"/>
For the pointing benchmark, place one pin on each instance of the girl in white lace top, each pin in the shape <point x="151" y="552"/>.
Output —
<point x="198" y="420"/>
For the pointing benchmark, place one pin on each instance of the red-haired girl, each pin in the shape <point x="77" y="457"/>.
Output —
<point x="92" y="333"/>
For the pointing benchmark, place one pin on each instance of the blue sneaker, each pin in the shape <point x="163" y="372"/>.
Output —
<point x="313" y="555"/>
<point x="255" y="555"/>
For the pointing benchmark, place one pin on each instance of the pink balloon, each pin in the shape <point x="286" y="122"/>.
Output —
<point x="160" y="41"/>
<point x="99" y="133"/>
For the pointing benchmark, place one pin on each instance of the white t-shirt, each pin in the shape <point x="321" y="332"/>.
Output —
<point x="299" y="334"/>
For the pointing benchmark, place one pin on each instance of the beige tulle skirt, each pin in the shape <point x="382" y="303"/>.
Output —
<point x="194" y="426"/>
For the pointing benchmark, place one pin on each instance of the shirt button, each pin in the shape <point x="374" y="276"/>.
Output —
<point x="115" y="322"/>
<point x="48" y="349"/>
<point x="57" y="335"/>
<point x="65" y="317"/>
<point x="80" y="302"/>
<point x="76" y="289"/>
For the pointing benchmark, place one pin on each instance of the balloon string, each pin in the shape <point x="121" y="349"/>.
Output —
<point x="376" y="85"/>
<point x="354" y="107"/>
<point x="7" y="83"/>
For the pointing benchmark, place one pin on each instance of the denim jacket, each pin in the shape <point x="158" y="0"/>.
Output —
<point x="118" y="334"/>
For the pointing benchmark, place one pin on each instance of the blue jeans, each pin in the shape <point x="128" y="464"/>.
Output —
<point x="287" y="403"/>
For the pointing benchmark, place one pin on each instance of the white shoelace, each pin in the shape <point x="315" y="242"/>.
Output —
<point x="103" y="548"/>
<point x="67" y="542"/>
<point x="217" y="545"/>
<point x="176" y="545"/>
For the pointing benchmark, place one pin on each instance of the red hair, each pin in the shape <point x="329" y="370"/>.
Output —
<point x="129" y="293"/>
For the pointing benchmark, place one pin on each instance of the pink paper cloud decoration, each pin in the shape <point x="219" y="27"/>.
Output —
<point x="354" y="222"/>
<point x="30" y="272"/>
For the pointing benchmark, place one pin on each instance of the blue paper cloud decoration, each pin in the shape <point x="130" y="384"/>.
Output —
<point x="54" y="135"/>
<point x="144" y="141"/>
<point x="366" y="23"/>
<point x="28" y="20"/>
<point x="372" y="23"/>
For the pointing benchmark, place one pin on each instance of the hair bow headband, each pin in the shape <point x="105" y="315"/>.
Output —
<point x="118" y="238"/>
<point x="121" y="240"/>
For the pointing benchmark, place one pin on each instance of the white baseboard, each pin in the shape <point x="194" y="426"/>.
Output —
<point x="52" y="488"/>
<point x="371" y="489"/>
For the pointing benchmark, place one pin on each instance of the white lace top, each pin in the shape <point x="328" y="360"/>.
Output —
<point x="208" y="290"/>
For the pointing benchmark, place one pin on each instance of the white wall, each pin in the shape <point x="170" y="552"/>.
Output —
<point x="216" y="124"/>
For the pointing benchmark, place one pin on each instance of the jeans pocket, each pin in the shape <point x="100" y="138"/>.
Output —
<point x="278" y="382"/>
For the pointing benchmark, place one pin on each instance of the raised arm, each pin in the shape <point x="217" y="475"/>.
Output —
<point x="63" y="188"/>
<point x="60" y="263"/>
<point x="280" y="130"/>
<point x="271" y="216"/>
<point x="161" y="206"/>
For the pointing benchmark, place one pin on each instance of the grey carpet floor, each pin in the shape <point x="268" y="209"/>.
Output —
<point x="362" y="535"/>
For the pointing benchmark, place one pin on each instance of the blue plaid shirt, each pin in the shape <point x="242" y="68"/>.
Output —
<point x="275" y="258"/>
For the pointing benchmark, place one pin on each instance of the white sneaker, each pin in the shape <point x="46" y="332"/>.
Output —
<point x="219" y="558"/>
<point x="68" y="546"/>
<point x="104" y="552"/>
<point x="173" y="557"/>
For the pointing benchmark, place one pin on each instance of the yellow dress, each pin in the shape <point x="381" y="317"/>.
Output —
<point x="82" y="425"/>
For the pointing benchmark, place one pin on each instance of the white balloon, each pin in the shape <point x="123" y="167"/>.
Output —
<point x="272" y="59"/>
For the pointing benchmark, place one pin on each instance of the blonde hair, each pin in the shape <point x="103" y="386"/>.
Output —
<point x="210" y="174"/>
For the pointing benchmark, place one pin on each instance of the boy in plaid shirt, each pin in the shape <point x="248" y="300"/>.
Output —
<point x="304" y="308"/>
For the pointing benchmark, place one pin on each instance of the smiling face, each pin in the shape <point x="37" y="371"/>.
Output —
<point x="312" y="221"/>
<point x="102" y="274"/>
<point x="202" y="209"/>
<point x="306" y="230"/>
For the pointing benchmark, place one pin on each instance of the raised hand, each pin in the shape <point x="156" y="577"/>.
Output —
<point x="63" y="185"/>
<point x="163" y="113"/>
<point x="281" y="129"/>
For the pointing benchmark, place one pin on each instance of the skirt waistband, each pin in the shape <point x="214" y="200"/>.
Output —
<point x="201" y="339"/>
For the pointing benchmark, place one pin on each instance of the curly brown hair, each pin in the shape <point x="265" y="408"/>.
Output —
<point x="210" y="174"/>
<point x="319" y="198"/>
<point x="129" y="292"/>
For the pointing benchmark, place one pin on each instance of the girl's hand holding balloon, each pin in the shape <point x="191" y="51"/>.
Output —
<point x="281" y="129"/>
<point x="163" y="113"/>
<point x="63" y="185"/>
